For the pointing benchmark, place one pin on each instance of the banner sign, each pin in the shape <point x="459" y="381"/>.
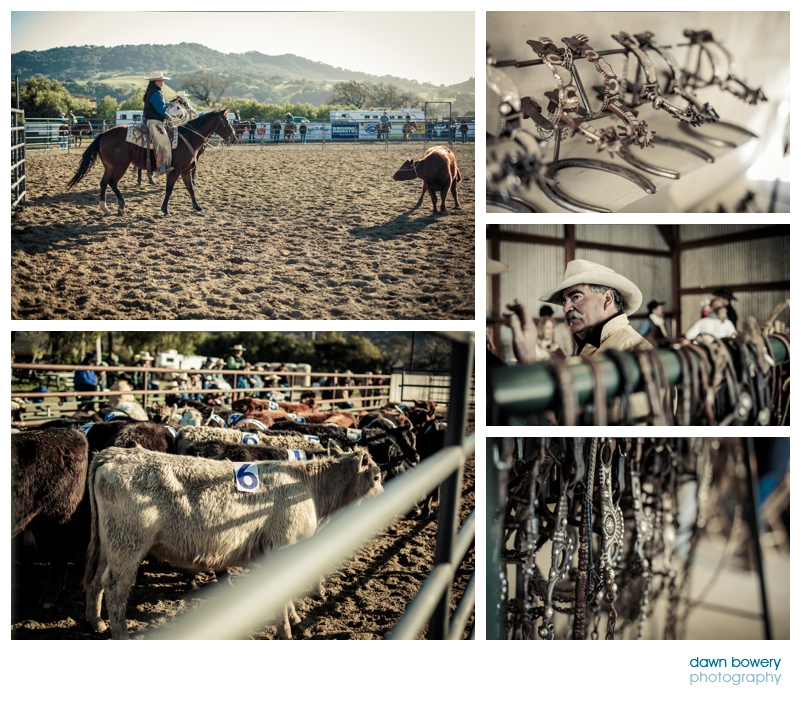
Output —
<point x="343" y="130"/>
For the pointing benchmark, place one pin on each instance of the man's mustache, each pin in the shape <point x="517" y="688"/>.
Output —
<point x="573" y="315"/>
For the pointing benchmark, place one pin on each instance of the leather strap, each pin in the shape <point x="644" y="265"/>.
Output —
<point x="566" y="391"/>
<point x="598" y="394"/>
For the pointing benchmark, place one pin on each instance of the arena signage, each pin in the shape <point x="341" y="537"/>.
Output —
<point x="344" y="131"/>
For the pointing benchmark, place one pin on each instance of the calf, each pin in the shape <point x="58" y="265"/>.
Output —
<point x="188" y="436"/>
<point x="48" y="481"/>
<point x="189" y="511"/>
<point x="438" y="171"/>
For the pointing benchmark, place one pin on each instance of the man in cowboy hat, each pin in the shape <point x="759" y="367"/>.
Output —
<point x="236" y="360"/>
<point x="154" y="115"/>
<point x="596" y="302"/>
<point x="727" y="295"/>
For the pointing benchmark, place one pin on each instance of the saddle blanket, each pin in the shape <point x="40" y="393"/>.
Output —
<point x="135" y="136"/>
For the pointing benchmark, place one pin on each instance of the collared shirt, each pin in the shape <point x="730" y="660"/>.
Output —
<point x="594" y="337"/>
<point x="616" y="333"/>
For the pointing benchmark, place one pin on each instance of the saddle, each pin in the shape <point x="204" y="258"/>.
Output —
<point x="138" y="134"/>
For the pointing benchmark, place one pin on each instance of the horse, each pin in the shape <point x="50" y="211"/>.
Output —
<point x="117" y="154"/>
<point x="383" y="130"/>
<point x="289" y="131"/>
<point x="408" y="129"/>
<point x="77" y="131"/>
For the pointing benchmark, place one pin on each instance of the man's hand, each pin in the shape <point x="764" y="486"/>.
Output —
<point x="524" y="332"/>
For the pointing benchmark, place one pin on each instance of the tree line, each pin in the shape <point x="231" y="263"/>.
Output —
<point x="324" y="351"/>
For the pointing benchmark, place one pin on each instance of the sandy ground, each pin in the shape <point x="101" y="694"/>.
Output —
<point x="289" y="232"/>
<point x="365" y="597"/>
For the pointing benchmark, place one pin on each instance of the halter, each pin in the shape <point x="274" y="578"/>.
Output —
<point x="413" y="168"/>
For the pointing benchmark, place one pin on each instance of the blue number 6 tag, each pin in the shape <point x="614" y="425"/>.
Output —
<point x="247" y="477"/>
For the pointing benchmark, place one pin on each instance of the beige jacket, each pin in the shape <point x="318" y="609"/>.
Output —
<point x="618" y="334"/>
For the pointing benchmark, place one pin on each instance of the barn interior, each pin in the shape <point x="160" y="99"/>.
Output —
<point x="719" y="113"/>
<point x="700" y="547"/>
<point x="691" y="270"/>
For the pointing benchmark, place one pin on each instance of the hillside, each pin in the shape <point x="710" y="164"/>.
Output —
<point x="119" y="70"/>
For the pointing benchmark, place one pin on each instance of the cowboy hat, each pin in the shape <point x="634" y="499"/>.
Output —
<point x="145" y="356"/>
<point x="238" y="347"/>
<point x="495" y="267"/>
<point x="724" y="293"/>
<point x="158" y="76"/>
<point x="581" y="271"/>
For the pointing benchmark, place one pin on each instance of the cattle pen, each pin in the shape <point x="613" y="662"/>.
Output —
<point x="386" y="576"/>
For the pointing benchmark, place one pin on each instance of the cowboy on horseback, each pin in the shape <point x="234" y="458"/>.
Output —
<point x="383" y="125"/>
<point x="154" y="115"/>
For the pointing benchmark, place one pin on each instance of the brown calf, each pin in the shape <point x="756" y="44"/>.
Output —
<point x="438" y="171"/>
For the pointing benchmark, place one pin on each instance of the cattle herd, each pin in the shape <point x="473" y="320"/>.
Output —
<point x="202" y="489"/>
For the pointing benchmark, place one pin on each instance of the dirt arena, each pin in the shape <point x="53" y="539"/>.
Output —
<point x="365" y="597"/>
<point x="289" y="232"/>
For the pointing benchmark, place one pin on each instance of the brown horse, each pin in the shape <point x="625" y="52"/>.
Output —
<point x="408" y="129"/>
<point x="117" y="154"/>
<point x="289" y="131"/>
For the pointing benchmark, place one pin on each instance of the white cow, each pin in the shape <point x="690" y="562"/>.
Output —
<point x="189" y="435"/>
<point x="189" y="511"/>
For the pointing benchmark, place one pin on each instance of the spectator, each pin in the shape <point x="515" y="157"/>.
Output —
<point x="195" y="385"/>
<point x="302" y="129"/>
<point x="464" y="129"/>
<point x="144" y="360"/>
<point x="63" y="135"/>
<point x="86" y="380"/>
<point x="236" y="360"/>
<point x="277" y="130"/>
<point x="452" y="129"/>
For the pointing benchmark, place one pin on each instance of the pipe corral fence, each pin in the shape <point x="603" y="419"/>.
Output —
<point x="259" y="595"/>
<point x="18" y="181"/>
<point x="361" y="391"/>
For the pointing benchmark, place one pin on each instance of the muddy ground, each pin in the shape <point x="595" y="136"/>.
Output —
<point x="289" y="232"/>
<point x="365" y="597"/>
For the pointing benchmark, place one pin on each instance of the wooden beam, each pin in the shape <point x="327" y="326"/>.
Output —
<point x="675" y="267"/>
<point x="495" y="253"/>
<point x="759" y="233"/>
<point x="744" y="287"/>
<point x="623" y="249"/>
<point x="530" y="239"/>
<point x="570" y="243"/>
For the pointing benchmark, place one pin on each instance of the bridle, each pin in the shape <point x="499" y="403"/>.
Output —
<point x="413" y="168"/>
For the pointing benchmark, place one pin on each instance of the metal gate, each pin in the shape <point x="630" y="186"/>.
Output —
<point x="18" y="183"/>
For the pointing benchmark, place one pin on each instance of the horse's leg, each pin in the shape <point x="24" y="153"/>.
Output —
<point x="172" y="176"/>
<point x="103" y="185"/>
<point x="187" y="177"/>
<point x="115" y="178"/>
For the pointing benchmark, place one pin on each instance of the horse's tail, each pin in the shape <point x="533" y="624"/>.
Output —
<point x="87" y="161"/>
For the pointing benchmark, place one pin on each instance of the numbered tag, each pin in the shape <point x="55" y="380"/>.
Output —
<point x="293" y="416"/>
<point x="88" y="426"/>
<point x="301" y="420"/>
<point x="250" y="438"/>
<point x="233" y="418"/>
<point x="354" y="435"/>
<point x="216" y="418"/>
<point x="255" y="423"/>
<point x="311" y="438"/>
<point x="172" y="431"/>
<point x="296" y="455"/>
<point x="246" y="477"/>
<point x="273" y="405"/>
<point x="112" y="415"/>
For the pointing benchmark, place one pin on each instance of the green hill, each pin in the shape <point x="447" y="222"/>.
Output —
<point x="119" y="70"/>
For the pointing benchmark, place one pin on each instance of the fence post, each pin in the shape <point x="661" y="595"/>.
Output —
<point x="451" y="490"/>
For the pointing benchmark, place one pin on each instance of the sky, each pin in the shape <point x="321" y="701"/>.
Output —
<point x="395" y="43"/>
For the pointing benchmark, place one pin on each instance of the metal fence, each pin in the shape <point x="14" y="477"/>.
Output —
<point x="408" y="385"/>
<point x="361" y="391"/>
<point x="18" y="181"/>
<point x="262" y="593"/>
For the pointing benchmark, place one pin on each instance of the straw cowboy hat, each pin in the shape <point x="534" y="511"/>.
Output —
<point x="495" y="267"/>
<point x="158" y="76"/>
<point x="145" y="356"/>
<point x="581" y="271"/>
<point x="238" y="347"/>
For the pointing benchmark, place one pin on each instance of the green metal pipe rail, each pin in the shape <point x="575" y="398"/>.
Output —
<point x="525" y="389"/>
